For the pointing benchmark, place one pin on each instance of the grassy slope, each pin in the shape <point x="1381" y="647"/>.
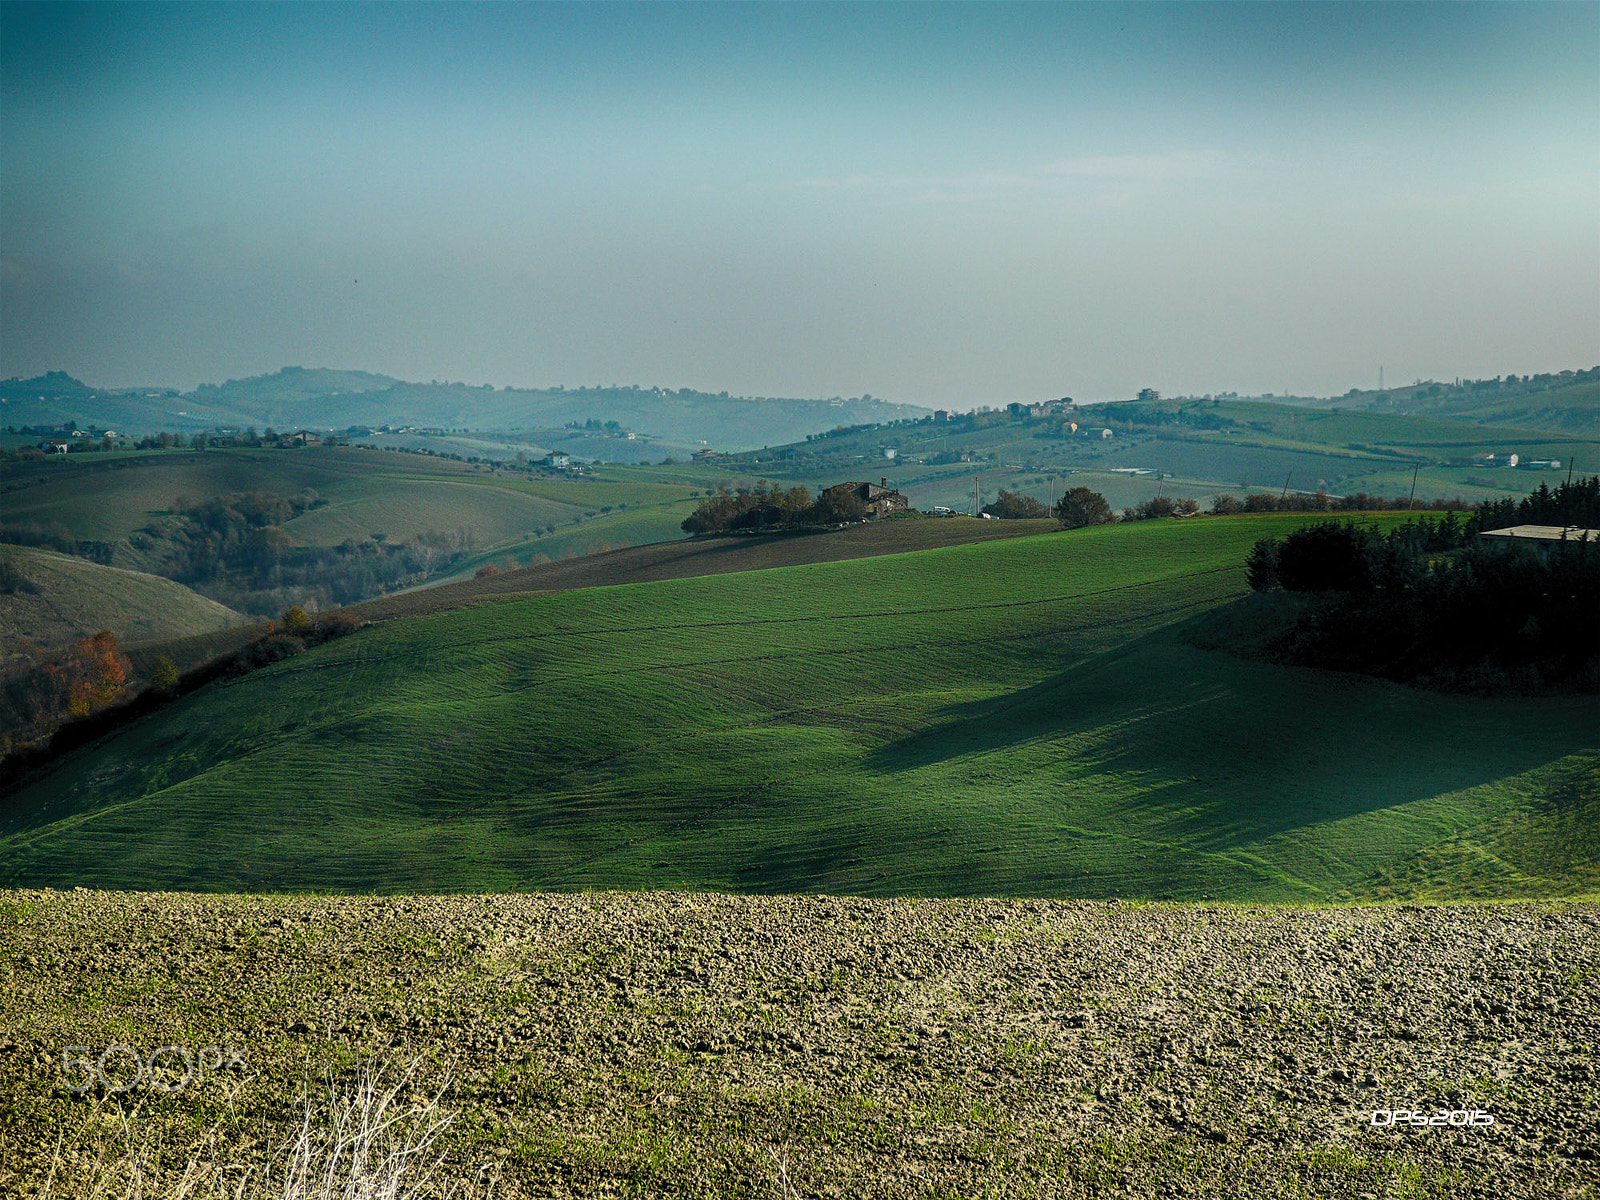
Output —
<point x="587" y="445"/>
<point x="689" y="558"/>
<point x="1015" y="717"/>
<point x="78" y="597"/>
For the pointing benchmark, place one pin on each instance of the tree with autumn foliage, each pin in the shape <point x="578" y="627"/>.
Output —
<point x="37" y="697"/>
<point x="98" y="674"/>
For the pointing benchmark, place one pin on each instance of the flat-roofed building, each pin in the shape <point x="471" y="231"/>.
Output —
<point x="1541" y="538"/>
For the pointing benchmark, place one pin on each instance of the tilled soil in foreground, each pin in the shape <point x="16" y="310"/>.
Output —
<point x="659" y="1044"/>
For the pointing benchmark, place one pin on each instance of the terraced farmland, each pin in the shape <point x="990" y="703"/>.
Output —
<point x="1023" y="717"/>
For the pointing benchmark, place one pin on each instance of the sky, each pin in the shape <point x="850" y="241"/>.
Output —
<point x="947" y="205"/>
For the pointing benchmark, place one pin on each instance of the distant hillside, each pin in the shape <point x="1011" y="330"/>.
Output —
<point x="1567" y="402"/>
<point x="75" y="597"/>
<point x="57" y="399"/>
<point x="1133" y="450"/>
<point x="442" y="517"/>
<point x="281" y="398"/>
<point x="52" y="385"/>
<point x="328" y="399"/>
<point x="108" y="497"/>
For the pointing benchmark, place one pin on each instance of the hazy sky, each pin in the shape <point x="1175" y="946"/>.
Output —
<point x="939" y="204"/>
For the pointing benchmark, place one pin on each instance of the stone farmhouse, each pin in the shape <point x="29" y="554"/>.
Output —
<point x="879" y="498"/>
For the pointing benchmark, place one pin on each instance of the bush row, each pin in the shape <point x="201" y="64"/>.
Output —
<point x="1428" y="602"/>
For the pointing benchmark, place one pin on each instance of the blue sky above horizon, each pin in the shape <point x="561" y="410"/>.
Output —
<point x="940" y="204"/>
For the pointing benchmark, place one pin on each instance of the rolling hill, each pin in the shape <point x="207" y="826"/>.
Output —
<point x="1568" y="402"/>
<point x="129" y="501"/>
<point x="332" y="399"/>
<point x="1184" y="449"/>
<point x="76" y="597"/>
<point x="1028" y="716"/>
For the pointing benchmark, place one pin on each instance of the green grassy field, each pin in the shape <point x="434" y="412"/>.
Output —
<point x="692" y="557"/>
<point x="1020" y="717"/>
<point x="77" y="597"/>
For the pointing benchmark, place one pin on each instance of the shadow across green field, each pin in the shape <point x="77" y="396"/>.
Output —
<point x="1235" y="757"/>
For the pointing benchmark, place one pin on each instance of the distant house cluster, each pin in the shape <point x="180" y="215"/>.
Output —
<point x="1048" y="408"/>
<point x="62" y="438"/>
<point x="1513" y="460"/>
<point x="560" y="460"/>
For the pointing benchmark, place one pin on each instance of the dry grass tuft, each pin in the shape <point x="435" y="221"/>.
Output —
<point x="373" y="1138"/>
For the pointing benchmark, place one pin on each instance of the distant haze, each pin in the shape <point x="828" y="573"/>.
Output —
<point x="938" y="205"/>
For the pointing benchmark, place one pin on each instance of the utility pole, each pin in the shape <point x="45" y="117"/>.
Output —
<point x="1412" y="503"/>
<point x="1286" y="479"/>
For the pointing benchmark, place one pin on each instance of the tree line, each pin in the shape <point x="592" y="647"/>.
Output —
<point x="1014" y="506"/>
<point x="1429" y="602"/>
<point x="1225" y="504"/>
<point x="1574" y="503"/>
<point x="53" y="535"/>
<point x="770" y="506"/>
<point x="233" y="549"/>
